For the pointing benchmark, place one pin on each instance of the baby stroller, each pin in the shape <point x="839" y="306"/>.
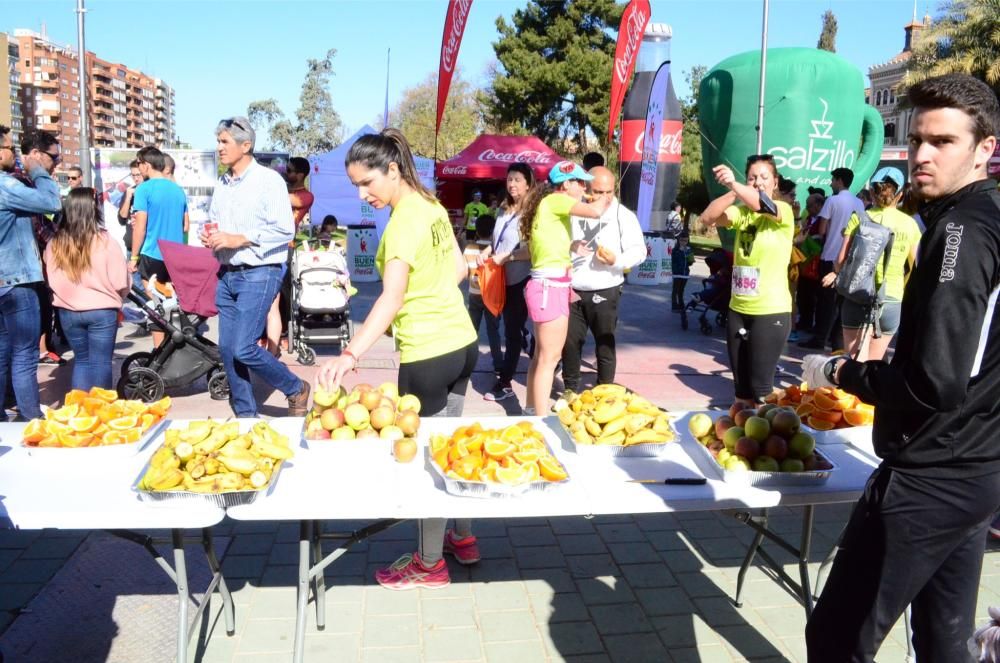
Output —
<point x="715" y="295"/>
<point x="321" y="310"/>
<point x="179" y="310"/>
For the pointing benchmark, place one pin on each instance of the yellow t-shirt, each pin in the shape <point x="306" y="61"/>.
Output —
<point x="433" y="320"/>
<point x="761" y="252"/>
<point x="550" y="233"/>
<point x="473" y="211"/>
<point x="906" y="233"/>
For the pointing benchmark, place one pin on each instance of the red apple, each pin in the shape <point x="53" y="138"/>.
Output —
<point x="408" y="422"/>
<point x="332" y="418"/>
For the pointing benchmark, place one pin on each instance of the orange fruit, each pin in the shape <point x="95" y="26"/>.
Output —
<point x="527" y="456"/>
<point x="499" y="448"/>
<point x="530" y="471"/>
<point x="467" y="467"/>
<point x="83" y="424"/>
<point x="69" y="440"/>
<point x="441" y="458"/>
<point x="54" y="427"/>
<point x="458" y="434"/>
<point x="824" y="401"/>
<point x="458" y="450"/>
<point x="438" y="442"/>
<point x="833" y="416"/>
<point x="134" y="407"/>
<point x="806" y="398"/>
<point x="510" y="476"/>
<point x="123" y="423"/>
<point x="512" y="434"/>
<point x="65" y="413"/>
<point x="865" y="407"/>
<point x="858" y="417"/>
<point x="551" y="469"/>
<point x="108" y="412"/>
<point x="49" y="441"/>
<point x="101" y="429"/>
<point x="488" y="474"/>
<point x="473" y="429"/>
<point x="160" y="407"/>
<point x="147" y="420"/>
<point x="786" y="402"/>
<point x="805" y="409"/>
<point x="820" y="424"/>
<point x="92" y="405"/>
<point x="794" y="392"/>
<point x="526" y="425"/>
<point x="474" y="443"/>
<point x="34" y="431"/>
<point x="75" y="397"/>
<point x="106" y="395"/>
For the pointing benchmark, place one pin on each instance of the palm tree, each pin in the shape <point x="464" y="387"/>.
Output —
<point x="965" y="38"/>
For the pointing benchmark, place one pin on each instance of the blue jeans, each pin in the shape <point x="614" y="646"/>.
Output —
<point x="244" y="298"/>
<point x="19" y="331"/>
<point x="91" y="334"/>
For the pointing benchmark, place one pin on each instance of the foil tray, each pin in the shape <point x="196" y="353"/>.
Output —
<point x="768" y="479"/>
<point x="489" y="490"/>
<point x="222" y="500"/>
<point x="648" y="450"/>
<point x="101" y="453"/>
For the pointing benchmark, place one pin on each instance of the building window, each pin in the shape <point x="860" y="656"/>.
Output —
<point x="890" y="131"/>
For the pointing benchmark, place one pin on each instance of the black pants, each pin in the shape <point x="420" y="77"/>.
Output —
<point x="515" y="314"/>
<point x="677" y="291"/>
<point x="911" y="540"/>
<point x="806" y="300"/>
<point x="433" y="380"/>
<point x="601" y="318"/>
<point x="828" y="311"/>
<point x="755" y="343"/>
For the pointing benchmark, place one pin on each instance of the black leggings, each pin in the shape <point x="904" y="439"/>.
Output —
<point x="755" y="343"/>
<point x="438" y="380"/>
<point x="515" y="314"/>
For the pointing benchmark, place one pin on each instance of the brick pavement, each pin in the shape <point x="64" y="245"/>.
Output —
<point x="623" y="588"/>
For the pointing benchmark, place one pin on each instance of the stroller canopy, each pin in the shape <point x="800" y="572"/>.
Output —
<point x="194" y="272"/>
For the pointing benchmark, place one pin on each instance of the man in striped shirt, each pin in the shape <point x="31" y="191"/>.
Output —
<point x="250" y="227"/>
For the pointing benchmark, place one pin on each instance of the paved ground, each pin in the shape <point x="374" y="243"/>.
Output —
<point x="647" y="588"/>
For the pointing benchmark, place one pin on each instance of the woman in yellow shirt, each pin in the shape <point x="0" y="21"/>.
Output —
<point x="421" y="267"/>
<point x="761" y="304"/>
<point x="545" y="226"/>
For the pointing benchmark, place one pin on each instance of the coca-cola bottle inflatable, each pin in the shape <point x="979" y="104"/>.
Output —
<point x="655" y="51"/>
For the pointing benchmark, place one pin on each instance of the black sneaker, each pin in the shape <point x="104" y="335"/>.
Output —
<point x="500" y="391"/>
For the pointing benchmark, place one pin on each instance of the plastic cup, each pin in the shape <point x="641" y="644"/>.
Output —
<point x="211" y="228"/>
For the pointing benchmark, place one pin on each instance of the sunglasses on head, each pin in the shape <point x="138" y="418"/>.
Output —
<point x="231" y="122"/>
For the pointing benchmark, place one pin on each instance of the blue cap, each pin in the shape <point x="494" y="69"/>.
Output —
<point x="567" y="170"/>
<point x="889" y="174"/>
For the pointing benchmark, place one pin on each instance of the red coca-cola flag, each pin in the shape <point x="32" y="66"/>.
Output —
<point x="451" y="40"/>
<point x="633" y="26"/>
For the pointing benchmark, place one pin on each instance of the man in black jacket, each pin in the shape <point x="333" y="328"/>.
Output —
<point x="918" y="533"/>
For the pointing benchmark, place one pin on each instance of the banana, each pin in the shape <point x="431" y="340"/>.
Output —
<point x="167" y="480"/>
<point x="230" y="481"/>
<point x="258" y="480"/>
<point x="646" y="436"/>
<point x="612" y="440"/>
<point x="273" y="451"/>
<point x="567" y="416"/>
<point x="662" y="425"/>
<point x="636" y="422"/>
<point x="196" y="469"/>
<point x="230" y="430"/>
<point x="213" y="442"/>
<point x="581" y="436"/>
<point x="241" y="442"/>
<point x="602" y="390"/>
<point x="592" y="426"/>
<point x="196" y="432"/>
<point x="212" y="465"/>
<point x="576" y="406"/>
<point x="615" y="425"/>
<point x="171" y="437"/>
<point x="609" y="408"/>
<point x="239" y="464"/>
<point x="208" y="484"/>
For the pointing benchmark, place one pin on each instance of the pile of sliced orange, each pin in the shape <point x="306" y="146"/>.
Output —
<point x="511" y="456"/>
<point x="824" y="408"/>
<point x="94" y="418"/>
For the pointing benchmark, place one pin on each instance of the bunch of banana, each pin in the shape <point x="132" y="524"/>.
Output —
<point x="609" y="414"/>
<point x="212" y="457"/>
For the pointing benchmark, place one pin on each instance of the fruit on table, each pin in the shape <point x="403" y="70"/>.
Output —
<point x="213" y="457"/>
<point x="404" y="449"/>
<point x="824" y="408"/>
<point x="773" y="441"/>
<point x="94" y="418"/>
<point x="700" y="425"/>
<point x="609" y="414"/>
<point x="363" y="413"/>
<point x="511" y="456"/>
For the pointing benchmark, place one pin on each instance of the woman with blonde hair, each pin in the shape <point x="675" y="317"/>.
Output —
<point x="88" y="277"/>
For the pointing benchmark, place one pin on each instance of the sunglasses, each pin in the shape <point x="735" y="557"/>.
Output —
<point x="602" y="193"/>
<point x="74" y="177"/>
<point x="233" y="122"/>
<point x="56" y="158"/>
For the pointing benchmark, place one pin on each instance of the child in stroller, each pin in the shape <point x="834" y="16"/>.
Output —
<point x="321" y="292"/>
<point x="715" y="293"/>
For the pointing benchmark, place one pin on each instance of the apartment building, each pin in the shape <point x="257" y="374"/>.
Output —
<point x="10" y="89"/>
<point x="126" y="108"/>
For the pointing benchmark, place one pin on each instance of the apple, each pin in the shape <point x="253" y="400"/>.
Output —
<point x="391" y="433"/>
<point x="722" y="424"/>
<point x="786" y="424"/>
<point x="332" y="418"/>
<point x="731" y="436"/>
<point x="700" y="425"/>
<point x="765" y="408"/>
<point x="321" y="434"/>
<point x="747" y="447"/>
<point x="801" y="445"/>
<point x="404" y="449"/>
<point x="387" y="402"/>
<point x="742" y="416"/>
<point x="314" y="425"/>
<point x="757" y="428"/>
<point x="716" y="447"/>
<point x="792" y="465"/>
<point x="390" y="390"/>
<point x="776" y="447"/>
<point x="408" y="421"/>
<point x="723" y="456"/>
<point x="367" y="433"/>
<point x="370" y="399"/>
<point x="343" y="433"/>
<point x="766" y="464"/>
<point x="409" y="402"/>
<point x="381" y="417"/>
<point x="737" y="464"/>
<point x="809" y="463"/>
<point x="356" y="415"/>
<point x="364" y="386"/>
<point x="325" y="398"/>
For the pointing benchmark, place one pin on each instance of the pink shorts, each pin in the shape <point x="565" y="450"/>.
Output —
<point x="547" y="299"/>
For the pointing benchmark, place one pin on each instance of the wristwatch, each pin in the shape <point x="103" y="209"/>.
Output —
<point x="830" y="369"/>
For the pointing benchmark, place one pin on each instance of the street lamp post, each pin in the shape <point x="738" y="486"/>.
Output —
<point x="84" y="116"/>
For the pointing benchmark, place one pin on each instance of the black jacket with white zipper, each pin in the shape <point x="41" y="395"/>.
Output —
<point x="937" y="403"/>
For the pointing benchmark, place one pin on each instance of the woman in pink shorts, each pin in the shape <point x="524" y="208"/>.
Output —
<point x="545" y="226"/>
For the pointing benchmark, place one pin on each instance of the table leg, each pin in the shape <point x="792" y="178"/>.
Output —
<point x="180" y="569"/>
<point x="302" y="597"/>
<point x="228" y="608"/>
<point x="804" y="546"/>
<point x="748" y="560"/>
<point x="319" y="580"/>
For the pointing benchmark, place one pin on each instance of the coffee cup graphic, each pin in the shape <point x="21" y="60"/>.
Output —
<point x="815" y="117"/>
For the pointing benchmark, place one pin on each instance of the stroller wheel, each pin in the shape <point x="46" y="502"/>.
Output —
<point x="142" y="384"/>
<point x="136" y="359"/>
<point x="720" y="320"/>
<point x="307" y="356"/>
<point x="218" y="385"/>
<point x="706" y="328"/>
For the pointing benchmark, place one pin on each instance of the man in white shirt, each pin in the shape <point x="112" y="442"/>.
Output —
<point x="833" y="218"/>
<point x="615" y="244"/>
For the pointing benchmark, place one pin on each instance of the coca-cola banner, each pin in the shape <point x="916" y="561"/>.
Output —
<point x="454" y="28"/>
<point x="651" y="144"/>
<point x="671" y="133"/>
<point x="630" y="31"/>
<point x="488" y="157"/>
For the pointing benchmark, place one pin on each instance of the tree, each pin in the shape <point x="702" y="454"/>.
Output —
<point x="964" y="38"/>
<point x="415" y="114"/>
<point x="555" y="70"/>
<point x="828" y="37"/>
<point x="692" y="193"/>
<point x="317" y="127"/>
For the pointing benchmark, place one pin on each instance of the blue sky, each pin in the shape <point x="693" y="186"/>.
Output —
<point x="219" y="55"/>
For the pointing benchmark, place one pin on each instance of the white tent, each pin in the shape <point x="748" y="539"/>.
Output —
<point x="334" y="193"/>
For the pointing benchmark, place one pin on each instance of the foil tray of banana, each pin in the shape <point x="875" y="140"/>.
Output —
<point x="226" y="464"/>
<point x="611" y="420"/>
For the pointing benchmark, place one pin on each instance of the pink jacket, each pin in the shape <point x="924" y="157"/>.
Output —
<point x="102" y="286"/>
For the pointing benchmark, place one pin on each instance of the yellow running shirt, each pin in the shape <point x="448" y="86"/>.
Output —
<point x="906" y="233"/>
<point x="761" y="252"/>
<point x="433" y="320"/>
<point x="550" y="233"/>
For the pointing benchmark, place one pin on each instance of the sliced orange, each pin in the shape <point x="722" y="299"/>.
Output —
<point x="499" y="448"/>
<point x="805" y="409"/>
<point x="458" y="450"/>
<point x="75" y="397"/>
<point x="865" y="407"/>
<point x="438" y="442"/>
<point x="134" y="407"/>
<point x="824" y="401"/>
<point x="833" y="416"/>
<point x="146" y="421"/>
<point x="786" y="402"/>
<point x="92" y="405"/>
<point x="108" y="412"/>
<point x="114" y="437"/>
<point x="69" y="440"/>
<point x="527" y="456"/>
<point x="49" y="441"/>
<point x="54" y="427"/>
<point x="473" y="429"/>
<point x="857" y="417"/>
<point x="441" y="458"/>
<point x="106" y="395"/>
<point x="160" y="407"/>
<point x="551" y="469"/>
<point x="123" y="423"/>
<point x="101" y="429"/>
<point x="530" y="472"/>
<point x="474" y="443"/>
<point x="34" y="431"/>
<point x="526" y="425"/>
<point x="820" y="424"/>
<point x="83" y="424"/>
<point x="511" y="476"/>
<point x="806" y="398"/>
<point x="488" y="474"/>
<point x="512" y="434"/>
<point x="65" y="413"/>
<point x="467" y="467"/>
<point x="794" y="392"/>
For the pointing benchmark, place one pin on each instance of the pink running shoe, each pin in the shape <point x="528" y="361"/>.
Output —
<point x="409" y="572"/>
<point x="465" y="551"/>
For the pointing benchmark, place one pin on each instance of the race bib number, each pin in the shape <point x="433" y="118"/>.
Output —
<point x="746" y="281"/>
